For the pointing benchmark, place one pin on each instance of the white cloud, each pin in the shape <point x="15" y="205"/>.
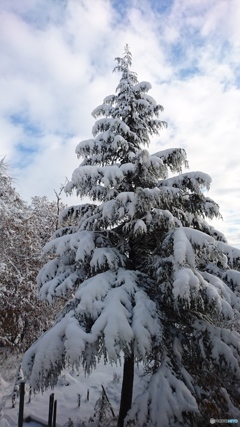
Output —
<point x="56" y="66"/>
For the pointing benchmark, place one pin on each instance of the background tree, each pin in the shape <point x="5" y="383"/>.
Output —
<point x="24" y="229"/>
<point x="151" y="279"/>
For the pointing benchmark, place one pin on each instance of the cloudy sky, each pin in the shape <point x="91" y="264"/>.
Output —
<point x="56" y="61"/>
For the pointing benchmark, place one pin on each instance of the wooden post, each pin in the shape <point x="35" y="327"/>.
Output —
<point x="30" y="394"/>
<point x="54" y="414"/>
<point x="50" y="412"/>
<point x="21" y="404"/>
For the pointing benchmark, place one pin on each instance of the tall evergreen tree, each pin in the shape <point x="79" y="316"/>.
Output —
<point x="153" y="281"/>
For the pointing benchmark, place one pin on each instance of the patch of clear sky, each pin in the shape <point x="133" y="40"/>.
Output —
<point x="158" y="6"/>
<point x="39" y="15"/>
<point x="29" y="127"/>
<point x="25" y="147"/>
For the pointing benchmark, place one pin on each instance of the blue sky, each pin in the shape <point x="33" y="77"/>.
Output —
<point x="56" y="62"/>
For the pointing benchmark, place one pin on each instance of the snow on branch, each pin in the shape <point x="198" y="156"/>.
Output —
<point x="55" y="280"/>
<point x="106" y="258"/>
<point x="233" y="278"/>
<point x="95" y="181"/>
<point x="174" y="158"/>
<point x="183" y="250"/>
<point x="192" y="285"/>
<point x="194" y="181"/>
<point x="87" y="147"/>
<point x="77" y="253"/>
<point x="73" y="213"/>
<point x="82" y="242"/>
<point x="224" y="344"/>
<point x="142" y="87"/>
<point x="145" y="326"/>
<point x="127" y="201"/>
<point x="89" y="297"/>
<point x="149" y="98"/>
<point x="102" y="317"/>
<point x="110" y="99"/>
<point x="198" y="238"/>
<point x="228" y="297"/>
<point x="233" y="254"/>
<point x="166" y="399"/>
<point x="114" y="125"/>
<point x="186" y="285"/>
<point x="102" y="110"/>
<point x="140" y="227"/>
<point x="43" y="361"/>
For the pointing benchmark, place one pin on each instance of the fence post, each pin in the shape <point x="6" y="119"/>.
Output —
<point x="21" y="404"/>
<point x="54" y="413"/>
<point x="30" y="394"/>
<point x="50" y="412"/>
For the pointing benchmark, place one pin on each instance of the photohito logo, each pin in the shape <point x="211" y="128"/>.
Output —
<point x="232" y="421"/>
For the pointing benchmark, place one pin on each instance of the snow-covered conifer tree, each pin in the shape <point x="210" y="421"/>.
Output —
<point x="151" y="280"/>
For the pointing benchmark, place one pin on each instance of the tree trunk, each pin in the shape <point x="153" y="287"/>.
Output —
<point x="127" y="389"/>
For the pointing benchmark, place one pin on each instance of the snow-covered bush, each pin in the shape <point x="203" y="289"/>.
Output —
<point x="24" y="229"/>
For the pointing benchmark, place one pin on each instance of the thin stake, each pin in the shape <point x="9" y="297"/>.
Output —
<point x="30" y="394"/>
<point x="54" y="413"/>
<point x="50" y="413"/>
<point x="21" y="404"/>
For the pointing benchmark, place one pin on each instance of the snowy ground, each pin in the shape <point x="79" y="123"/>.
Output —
<point x="70" y="384"/>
